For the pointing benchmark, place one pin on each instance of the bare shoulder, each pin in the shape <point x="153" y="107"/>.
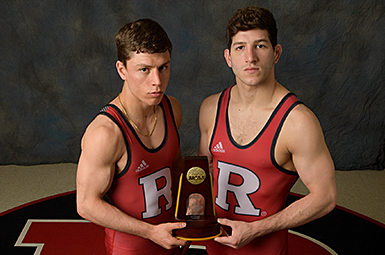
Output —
<point x="211" y="100"/>
<point x="302" y="131"/>
<point x="100" y="128"/>
<point x="208" y="111"/>
<point x="101" y="140"/>
<point x="209" y="104"/>
<point x="301" y="117"/>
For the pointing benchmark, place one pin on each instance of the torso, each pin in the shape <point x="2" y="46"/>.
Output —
<point x="143" y="186"/>
<point x="248" y="182"/>
<point x="245" y="125"/>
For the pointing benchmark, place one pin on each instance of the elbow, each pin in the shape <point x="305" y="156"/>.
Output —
<point x="326" y="203"/>
<point x="334" y="201"/>
<point x="82" y="210"/>
<point x="331" y="202"/>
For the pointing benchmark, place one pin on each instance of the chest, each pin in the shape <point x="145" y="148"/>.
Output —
<point x="244" y="126"/>
<point x="257" y="131"/>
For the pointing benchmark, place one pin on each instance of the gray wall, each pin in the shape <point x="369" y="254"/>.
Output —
<point x="57" y="69"/>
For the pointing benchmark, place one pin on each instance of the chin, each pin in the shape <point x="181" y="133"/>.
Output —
<point x="156" y="101"/>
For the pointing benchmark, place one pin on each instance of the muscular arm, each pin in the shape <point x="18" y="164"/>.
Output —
<point x="304" y="141"/>
<point x="102" y="147"/>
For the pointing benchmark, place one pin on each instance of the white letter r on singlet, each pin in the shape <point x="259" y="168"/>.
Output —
<point x="249" y="185"/>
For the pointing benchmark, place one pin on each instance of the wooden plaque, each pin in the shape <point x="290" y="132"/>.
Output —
<point x="195" y="202"/>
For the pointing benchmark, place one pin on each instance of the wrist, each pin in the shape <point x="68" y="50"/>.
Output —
<point x="262" y="227"/>
<point x="145" y="230"/>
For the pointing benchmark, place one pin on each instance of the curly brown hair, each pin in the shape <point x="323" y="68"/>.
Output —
<point x="250" y="18"/>
<point x="144" y="35"/>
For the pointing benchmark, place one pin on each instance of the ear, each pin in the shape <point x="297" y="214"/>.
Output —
<point x="227" y="56"/>
<point x="277" y="53"/>
<point x="121" y="69"/>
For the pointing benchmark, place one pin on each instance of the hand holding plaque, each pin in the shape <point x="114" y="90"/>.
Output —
<point x="195" y="202"/>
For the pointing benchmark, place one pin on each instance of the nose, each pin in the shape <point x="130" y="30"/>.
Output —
<point x="155" y="77"/>
<point x="251" y="55"/>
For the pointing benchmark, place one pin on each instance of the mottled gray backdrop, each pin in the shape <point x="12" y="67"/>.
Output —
<point x="57" y="69"/>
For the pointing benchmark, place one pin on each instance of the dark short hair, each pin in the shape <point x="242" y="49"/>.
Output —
<point x="251" y="18"/>
<point x="144" y="35"/>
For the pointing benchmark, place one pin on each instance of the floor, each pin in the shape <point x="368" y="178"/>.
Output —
<point x="359" y="191"/>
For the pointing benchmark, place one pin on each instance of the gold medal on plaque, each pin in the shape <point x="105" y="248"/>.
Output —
<point x="196" y="175"/>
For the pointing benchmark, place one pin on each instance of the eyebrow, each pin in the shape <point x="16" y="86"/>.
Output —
<point x="238" y="43"/>
<point x="166" y="63"/>
<point x="262" y="40"/>
<point x="256" y="41"/>
<point x="149" y="66"/>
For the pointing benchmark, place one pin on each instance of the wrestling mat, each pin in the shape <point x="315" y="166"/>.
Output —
<point x="51" y="226"/>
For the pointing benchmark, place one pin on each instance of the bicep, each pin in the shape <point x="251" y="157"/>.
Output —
<point x="97" y="162"/>
<point x="93" y="178"/>
<point x="315" y="168"/>
<point x="311" y="156"/>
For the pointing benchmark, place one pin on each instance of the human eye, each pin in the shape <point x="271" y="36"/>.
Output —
<point x="239" y="47"/>
<point x="262" y="44"/>
<point x="143" y="69"/>
<point x="163" y="68"/>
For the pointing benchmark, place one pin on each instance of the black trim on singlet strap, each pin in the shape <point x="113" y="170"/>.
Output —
<point x="128" y="124"/>
<point x="172" y="116"/>
<point x="267" y="124"/>
<point x="128" y="163"/>
<point x="275" y="138"/>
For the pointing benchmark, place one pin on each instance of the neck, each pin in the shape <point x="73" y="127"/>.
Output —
<point x="136" y="109"/>
<point x="257" y="96"/>
<point x="143" y="121"/>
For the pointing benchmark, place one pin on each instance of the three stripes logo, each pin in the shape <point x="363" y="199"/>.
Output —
<point x="219" y="148"/>
<point x="142" y="166"/>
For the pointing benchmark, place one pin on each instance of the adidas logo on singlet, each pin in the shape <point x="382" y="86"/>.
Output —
<point x="142" y="166"/>
<point x="219" y="148"/>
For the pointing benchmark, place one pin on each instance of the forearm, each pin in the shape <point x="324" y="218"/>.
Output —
<point x="296" y="214"/>
<point x="106" y="215"/>
<point x="111" y="217"/>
